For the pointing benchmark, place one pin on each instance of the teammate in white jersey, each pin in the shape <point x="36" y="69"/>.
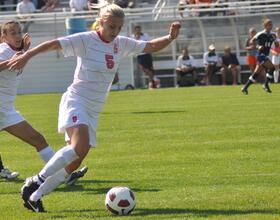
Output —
<point x="275" y="50"/>
<point x="12" y="121"/>
<point x="98" y="56"/>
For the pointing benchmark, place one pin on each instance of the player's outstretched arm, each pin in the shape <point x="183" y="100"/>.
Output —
<point x="4" y="64"/>
<point x="161" y="42"/>
<point x="20" y="61"/>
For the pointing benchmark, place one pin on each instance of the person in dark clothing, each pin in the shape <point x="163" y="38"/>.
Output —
<point x="230" y="64"/>
<point x="264" y="40"/>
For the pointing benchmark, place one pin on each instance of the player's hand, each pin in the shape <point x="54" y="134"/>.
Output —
<point x="174" y="30"/>
<point x="18" y="62"/>
<point x="260" y="48"/>
<point x="26" y="40"/>
<point x="16" y="55"/>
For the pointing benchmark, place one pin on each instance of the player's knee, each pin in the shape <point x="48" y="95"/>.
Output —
<point x="271" y="70"/>
<point x="81" y="150"/>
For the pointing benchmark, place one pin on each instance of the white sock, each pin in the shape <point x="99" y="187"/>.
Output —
<point x="62" y="158"/>
<point x="50" y="184"/>
<point x="46" y="154"/>
<point x="276" y="75"/>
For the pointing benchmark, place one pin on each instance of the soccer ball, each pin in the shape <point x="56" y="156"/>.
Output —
<point x="120" y="200"/>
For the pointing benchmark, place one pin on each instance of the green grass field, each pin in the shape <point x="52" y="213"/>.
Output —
<point x="188" y="153"/>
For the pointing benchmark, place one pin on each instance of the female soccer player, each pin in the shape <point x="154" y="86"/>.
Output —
<point x="264" y="40"/>
<point x="99" y="54"/>
<point x="12" y="121"/>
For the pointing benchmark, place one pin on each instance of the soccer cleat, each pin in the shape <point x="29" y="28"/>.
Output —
<point x="267" y="89"/>
<point x="244" y="91"/>
<point x="28" y="188"/>
<point x="34" y="206"/>
<point x="8" y="174"/>
<point x="72" y="179"/>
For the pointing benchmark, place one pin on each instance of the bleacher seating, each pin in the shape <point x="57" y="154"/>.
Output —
<point x="196" y="33"/>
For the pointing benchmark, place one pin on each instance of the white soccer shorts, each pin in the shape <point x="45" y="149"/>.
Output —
<point x="72" y="111"/>
<point x="275" y="60"/>
<point x="9" y="117"/>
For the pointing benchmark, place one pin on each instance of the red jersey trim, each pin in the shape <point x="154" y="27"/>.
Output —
<point x="101" y="38"/>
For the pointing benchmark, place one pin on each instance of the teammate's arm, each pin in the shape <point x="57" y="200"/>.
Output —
<point x="20" y="61"/>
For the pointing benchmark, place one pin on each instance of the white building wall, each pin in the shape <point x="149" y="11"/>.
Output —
<point x="51" y="72"/>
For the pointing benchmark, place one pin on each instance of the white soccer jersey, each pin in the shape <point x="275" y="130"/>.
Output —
<point x="8" y="89"/>
<point x="187" y="62"/>
<point x="8" y="79"/>
<point x="213" y="59"/>
<point x="97" y="63"/>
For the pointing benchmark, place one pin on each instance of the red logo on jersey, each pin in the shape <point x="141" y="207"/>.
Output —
<point x="116" y="48"/>
<point x="109" y="61"/>
<point x="74" y="119"/>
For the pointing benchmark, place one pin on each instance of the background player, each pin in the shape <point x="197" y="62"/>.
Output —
<point x="264" y="40"/>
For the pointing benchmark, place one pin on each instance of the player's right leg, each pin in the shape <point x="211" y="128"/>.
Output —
<point x="77" y="150"/>
<point x="252" y="79"/>
<point x="269" y="75"/>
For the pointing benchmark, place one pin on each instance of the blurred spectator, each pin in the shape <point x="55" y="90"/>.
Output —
<point x="24" y="8"/>
<point x="181" y="7"/>
<point x="78" y="5"/>
<point x="122" y="3"/>
<point x="230" y="64"/>
<point x="204" y="4"/>
<point x="186" y="67"/>
<point x="275" y="50"/>
<point x="50" y="5"/>
<point x="39" y="4"/>
<point x="2" y="3"/>
<point x="211" y="62"/>
<point x="218" y="5"/>
<point x="145" y="60"/>
<point x="187" y="7"/>
<point x="92" y="4"/>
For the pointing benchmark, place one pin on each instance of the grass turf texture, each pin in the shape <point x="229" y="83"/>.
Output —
<point x="188" y="153"/>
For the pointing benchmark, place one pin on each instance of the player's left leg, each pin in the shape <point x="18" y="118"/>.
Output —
<point x="252" y="79"/>
<point x="269" y="75"/>
<point x="6" y="173"/>
<point x="24" y="131"/>
<point x="52" y="182"/>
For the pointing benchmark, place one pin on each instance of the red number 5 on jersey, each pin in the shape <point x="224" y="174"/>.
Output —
<point x="109" y="61"/>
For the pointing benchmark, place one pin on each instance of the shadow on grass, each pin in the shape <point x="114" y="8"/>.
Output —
<point x="95" y="189"/>
<point x="16" y="180"/>
<point x="202" y="212"/>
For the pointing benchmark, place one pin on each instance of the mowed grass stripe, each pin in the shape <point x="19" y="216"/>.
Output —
<point x="188" y="153"/>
